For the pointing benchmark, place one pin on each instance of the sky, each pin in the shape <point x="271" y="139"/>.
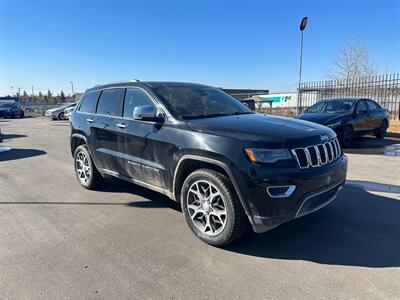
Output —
<point x="231" y="44"/>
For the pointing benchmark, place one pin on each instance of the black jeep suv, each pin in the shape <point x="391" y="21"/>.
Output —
<point x="226" y="165"/>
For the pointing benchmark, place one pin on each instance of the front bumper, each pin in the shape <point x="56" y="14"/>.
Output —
<point x="315" y="188"/>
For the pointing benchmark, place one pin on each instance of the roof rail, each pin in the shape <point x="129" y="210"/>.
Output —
<point x="123" y="81"/>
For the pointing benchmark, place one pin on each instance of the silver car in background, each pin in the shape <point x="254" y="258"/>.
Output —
<point x="68" y="111"/>
<point x="58" y="112"/>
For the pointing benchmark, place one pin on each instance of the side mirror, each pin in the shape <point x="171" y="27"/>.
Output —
<point x="146" y="113"/>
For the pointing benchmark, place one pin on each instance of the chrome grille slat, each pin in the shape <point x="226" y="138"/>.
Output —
<point x="317" y="155"/>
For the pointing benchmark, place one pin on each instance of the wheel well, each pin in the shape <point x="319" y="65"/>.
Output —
<point x="75" y="143"/>
<point x="188" y="166"/>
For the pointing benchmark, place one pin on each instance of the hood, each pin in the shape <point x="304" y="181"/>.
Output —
<point x="259" y="127"/>
<point x="321" y="118"/>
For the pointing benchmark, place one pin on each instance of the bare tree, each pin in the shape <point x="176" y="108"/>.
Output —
<point x="352" y="61"/>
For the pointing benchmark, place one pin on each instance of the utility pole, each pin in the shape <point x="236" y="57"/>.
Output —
<point x="19" y="95"/>
<point x="303" y="25"/>
<point x="72" y="88"/>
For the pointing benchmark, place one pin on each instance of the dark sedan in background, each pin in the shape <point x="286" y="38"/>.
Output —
<point x="11" y="110"/>
<point x="349" y="117"/>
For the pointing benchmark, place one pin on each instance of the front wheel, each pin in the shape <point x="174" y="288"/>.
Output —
<point x="381" y="131"/>
<point x="212" y="208"/>
<point x="85" y="170"/>
<point x="61" y="116"/>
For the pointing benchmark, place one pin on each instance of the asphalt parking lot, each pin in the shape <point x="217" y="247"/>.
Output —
<point x="59" y="241"/>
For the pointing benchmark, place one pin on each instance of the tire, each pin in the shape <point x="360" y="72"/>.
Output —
<point x="381" y="131"/>
<point x="222" y="219"/>
<point x="86" y="172"/>
<point x="21" y="114"/>
<point x="61" y="116"/>
<point x="12" y="115"/>
<point x="347" y="136"/>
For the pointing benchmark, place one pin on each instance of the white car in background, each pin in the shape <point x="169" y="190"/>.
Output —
<point x="58" y="112"/>
<point x="68" y="111"/>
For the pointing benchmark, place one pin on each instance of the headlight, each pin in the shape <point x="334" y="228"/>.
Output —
<point x="334" y="125"/>
<point x="268" y="155"/>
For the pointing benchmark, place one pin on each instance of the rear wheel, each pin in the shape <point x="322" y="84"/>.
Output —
<point x="85" y="170"/>
<point x="212" y="208"/>
<point x="381" y="131"/>
<point x="21" y="114"/>
<point x="347" y="136"/>
<point x="61" y="116"/>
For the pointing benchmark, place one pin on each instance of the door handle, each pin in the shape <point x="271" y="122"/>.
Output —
<point x="89" y="120"/>
<point x="121" y="125"/>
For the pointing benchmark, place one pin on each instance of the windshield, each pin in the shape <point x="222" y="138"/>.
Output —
<point x="332" y="107"/>
<point x="194" y="101"/>
<point x="6" y="105"/>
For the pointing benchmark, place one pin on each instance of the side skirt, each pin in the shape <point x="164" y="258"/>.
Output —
<point x="141" y="183"/>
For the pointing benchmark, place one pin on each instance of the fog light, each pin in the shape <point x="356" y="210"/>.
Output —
<point x="283" y="191"/>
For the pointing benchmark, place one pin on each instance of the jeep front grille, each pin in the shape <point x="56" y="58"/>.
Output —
<point x="318" y="155"/>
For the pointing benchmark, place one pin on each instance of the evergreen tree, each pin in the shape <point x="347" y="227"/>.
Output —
<point x="62" y="96"/>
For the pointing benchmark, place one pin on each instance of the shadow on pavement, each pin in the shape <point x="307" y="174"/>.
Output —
<point x="13" y="136"/>
<point x="13" y="154"/>
<point x="357" y="229"/>
<point x="154" y="199"/>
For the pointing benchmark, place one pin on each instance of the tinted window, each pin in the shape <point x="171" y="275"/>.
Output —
<point x="196" y="101"/>
<point x="6" y="105"/>
<point x="340" y="107"/>
<point x="361" y="106"/>
<point x="89" y="102"/>
<point x="318" y="107"/>
<point x="371" y="106"/>
<point x="133" y="98"/>
<point x="110" y="102"/>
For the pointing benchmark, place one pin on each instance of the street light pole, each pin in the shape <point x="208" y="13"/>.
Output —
<point x="72" y="88"/>
<point x="303" y="25"/>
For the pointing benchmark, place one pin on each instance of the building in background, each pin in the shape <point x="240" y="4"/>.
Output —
<point x="276" y="100"/>
<point x="242" y="94"/>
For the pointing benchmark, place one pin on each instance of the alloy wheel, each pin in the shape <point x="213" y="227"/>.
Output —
<point x="206" y="207"/>
<point x="82" y="166"/>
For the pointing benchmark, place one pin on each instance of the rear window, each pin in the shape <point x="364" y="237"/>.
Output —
<point x="110" y="103"/>
<point x="89" y="102"/>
